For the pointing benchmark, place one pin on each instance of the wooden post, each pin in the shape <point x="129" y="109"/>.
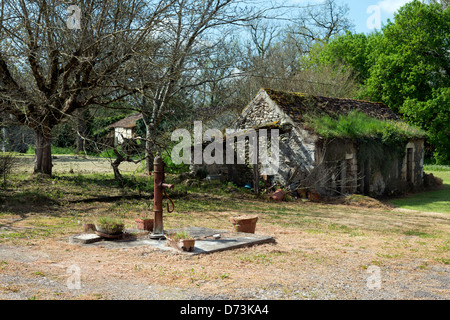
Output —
<point x="255" y="167"/>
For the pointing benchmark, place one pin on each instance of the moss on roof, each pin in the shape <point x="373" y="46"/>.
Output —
<point x="297" y="105"/>
<point x="359" y="126"/>
<point x="345" y="118"/>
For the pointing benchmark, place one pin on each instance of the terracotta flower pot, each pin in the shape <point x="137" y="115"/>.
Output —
<point x="181" y="244"/>
<point x="112" y="231"/>
<point x="244" y="223"/>
<point x="187" y="244"/>
<point x="278" y="195"/>
<point x="144" y="224"/>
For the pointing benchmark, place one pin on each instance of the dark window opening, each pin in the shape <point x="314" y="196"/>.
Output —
<point x="366" y="177"/>
<point x="409" y="164"/>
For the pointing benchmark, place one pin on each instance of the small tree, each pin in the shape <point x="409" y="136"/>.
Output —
<point x="48" y="70"/>
<point x="7" y="163"/>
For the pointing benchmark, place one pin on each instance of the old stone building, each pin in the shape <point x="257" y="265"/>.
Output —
<point x="368" y="164"/>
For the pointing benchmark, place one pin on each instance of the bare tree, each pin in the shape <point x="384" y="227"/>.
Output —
<point x="321" y="22"/>
<point x="443" y="3"/>
<point x="47" y="71"/>
<point x="195" y="29"/>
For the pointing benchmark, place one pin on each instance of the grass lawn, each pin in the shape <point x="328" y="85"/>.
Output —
<point x="431" y="201"/>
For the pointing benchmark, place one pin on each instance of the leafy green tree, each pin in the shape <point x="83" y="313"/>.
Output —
<point x="412" y="57"/>
<point x="434" y="116"/>
<point x="411" y="73"/>
<point x="350" y="49"/>
<point x="407" y="66"/>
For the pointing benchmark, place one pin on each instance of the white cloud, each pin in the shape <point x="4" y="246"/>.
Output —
<point x="391" y="6"/>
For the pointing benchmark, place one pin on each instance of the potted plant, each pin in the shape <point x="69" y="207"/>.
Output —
<point x="244" y="223"/>
<point x="109" y="226"/>
<point x="144" y="224"/>
<point x="278" y="195"/>
<point x="181" y="240"/>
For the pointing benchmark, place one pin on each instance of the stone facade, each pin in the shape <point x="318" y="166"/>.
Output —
<point x="297" y="145"/>
<point x="308" y="161"/>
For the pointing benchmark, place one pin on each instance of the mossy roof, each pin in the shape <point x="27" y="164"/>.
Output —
<point x="297" y="105"/>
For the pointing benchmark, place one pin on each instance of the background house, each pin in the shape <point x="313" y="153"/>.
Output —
<point x="375" y="154"/>
<point x="125" y="128"/>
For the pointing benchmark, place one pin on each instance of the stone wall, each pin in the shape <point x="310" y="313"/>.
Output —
<point x="297" y="156"/>
<point x="297" y="146"/>
<point x="259" y="112"/>
<point x="395" y="180"/>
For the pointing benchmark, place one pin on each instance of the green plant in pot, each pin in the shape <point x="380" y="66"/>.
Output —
<point x="181" y="240"/>
<point x="109" y="225"/>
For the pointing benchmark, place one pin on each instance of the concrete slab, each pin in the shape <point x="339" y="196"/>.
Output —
<point x="85" y="238"/>
<point x="205" y="242"/>
<point x="199" y="232"/>
<point x="230" y="241"/>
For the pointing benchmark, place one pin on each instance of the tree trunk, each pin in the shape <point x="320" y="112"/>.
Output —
<point x="43" y="153"/>
<point x="115" y="165"/>
<point x="4" y="139"/>
<point x="82" y="129"/>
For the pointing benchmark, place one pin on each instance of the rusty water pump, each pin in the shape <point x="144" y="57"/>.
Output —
<point x="159" y="191"/>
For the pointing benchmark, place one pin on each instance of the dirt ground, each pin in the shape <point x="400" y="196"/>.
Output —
<point x="321" y="252"/>
<point x="298" y="266"/>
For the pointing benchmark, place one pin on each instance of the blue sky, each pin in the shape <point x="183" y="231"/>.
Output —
<point x="364" y="12"/>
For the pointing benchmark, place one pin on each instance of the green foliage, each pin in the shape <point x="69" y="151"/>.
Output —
<point x="7" y="162"/>
<point x="140" y="128"/>
<point x="110" y="224"/>
<point x="63" y="136"/>
<point x="411" y="58"/>
<point x="406" y="66"/>
<point x="108" y="153"/>
<point x="359" y="126"/>
<point x="434" y="116"/>
<point x="378" y="141"/>
<point x="181" y="235"/>
<point x="100" y="124"/>
<point x="350" y="49"/>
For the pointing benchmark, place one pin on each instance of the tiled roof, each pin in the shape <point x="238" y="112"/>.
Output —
<point x="128" y="122"/>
